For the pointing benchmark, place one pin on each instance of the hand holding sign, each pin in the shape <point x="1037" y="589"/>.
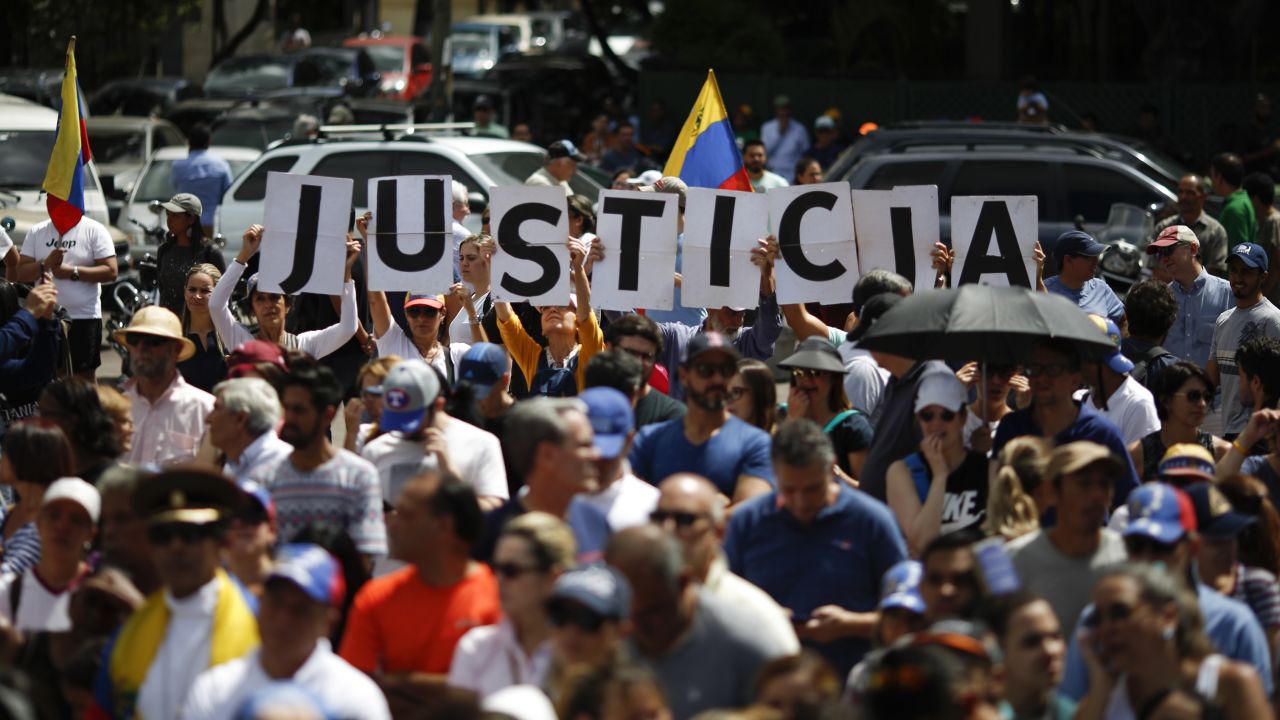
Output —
<point x="353" y="254"/>
<point x="530" y="225"/>
<point x="250" y="242"/>
<point x="412" y="246"/>
<point x="304" y="242"/>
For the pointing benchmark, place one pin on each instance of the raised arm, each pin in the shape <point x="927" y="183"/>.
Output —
<point x="379" y="308"/>
<point x="320" y="343"/>
<point x="232" y="334"/>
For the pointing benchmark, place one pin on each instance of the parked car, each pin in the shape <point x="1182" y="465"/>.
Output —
<point x="244" y="76"/>
<point x="538" y="31"/>
<point x="253" y="126"/>
<point x="477" y="47"/>
<point x="141" y="96"/>
<point x="478" y="163"/>
<point x="1067" y="182"/>
<point x="403" y="64"/>
<point x="351" y="69"/>
<point x="121" y="146"/>
<point x="155" y="183"/>
<point x="39" y="85"/>
<point x="188" y="113"/>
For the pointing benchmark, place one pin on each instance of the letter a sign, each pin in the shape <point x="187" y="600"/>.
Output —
<point x="304" y="242"/>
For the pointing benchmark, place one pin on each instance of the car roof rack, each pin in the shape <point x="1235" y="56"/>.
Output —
<point x="977" y="126"/>
<point x="390" y="130"/>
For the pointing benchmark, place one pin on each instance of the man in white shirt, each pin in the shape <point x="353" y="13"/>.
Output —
<point x="300" y="603"/>
<point x="242" y="424"/>
<point x="461" y="209"/>
<point x="168" y="414"/>
<point x="625" y="499"/>
<point x="562" y="162"/>
<point x="754" y="159"/>
<point x="79" y="260"/>
<point x="1115" y="394"/>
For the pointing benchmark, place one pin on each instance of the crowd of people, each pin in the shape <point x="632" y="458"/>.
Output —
<point x="434" y="504"/>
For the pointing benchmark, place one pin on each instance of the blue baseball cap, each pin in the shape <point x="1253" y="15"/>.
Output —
<point x="1251" y="254"/>
<point x="900" y="587"/>
<point x="1215" y="517"/>
<point x="1078" y="242"/>
<point x="483" y="366"/>
<point x="407" y="391"/>
<point x="611" y="419"/>
<point x="313" y="570"/>
<point x="255" y="493"/>
<point x="1116" y="360"/>
<point x="1160" y="512"/>
<point x="599" y="588"/>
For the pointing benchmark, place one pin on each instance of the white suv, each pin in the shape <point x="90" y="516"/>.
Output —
<point x="478" y="163"/>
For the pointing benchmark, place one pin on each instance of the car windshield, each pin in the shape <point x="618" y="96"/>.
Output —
<point x="251" y="133"/>
<point x="26" y="158"/>
<point x="387" y="58"/>
<point x="472" y="44"/>
<point x="118" y="146"/>
<point x="511" y="168"/>
<point x="156" y="185"/>
<point x="249" y="74"/>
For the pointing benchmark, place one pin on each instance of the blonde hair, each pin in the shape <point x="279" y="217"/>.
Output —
<point x="198" y="269"/>
<point x="1011" y="511"/>
<point x="483" y="243"/>
<point x="549" y="537"/>
<point x="377" y="368"/>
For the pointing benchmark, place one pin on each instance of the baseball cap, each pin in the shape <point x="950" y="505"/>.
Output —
<point x="1186" y="462"/>
<point x="1078" y="242"/>
<point x="781" y="101"/>
<point x="77" y="491"/>
<point x="407" y="390"/>
<point x="705" y="342"/>
<point x="872" y="309"/>
<point x="184" y="203"/>
<point x="824" y="122"/>
<point x="563" y="149"/>
<point x="670" y="185"/>
<point x="900" y="587"/>
<point x="599" y="588"/>
<point x="260" y="496"/>
<point x="1215" y="517"/>
<point x="648" y="177"/>
<point x="611" y="419"/>
<point x="1173" y="235"/>
<point x="483" y="366"/>
<point x="940" y="388"/>
<point x="520" y="702"/>
<point x="313" y="570"/>
<point x="482" y="102"/>
<point x="418" y="300"/>
<point x="1251" y="254"/>
<point x="253" y="352"/>
<point x="1116" y="360"/>
<point x="1076" y="456"/>
<point x="1160" y="512"/>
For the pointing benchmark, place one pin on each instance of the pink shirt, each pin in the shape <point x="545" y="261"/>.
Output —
<point x="169" y="431"/>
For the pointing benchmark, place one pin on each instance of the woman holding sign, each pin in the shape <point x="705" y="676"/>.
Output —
<point x="270" y="309"/>
<point x="573" y="335"/>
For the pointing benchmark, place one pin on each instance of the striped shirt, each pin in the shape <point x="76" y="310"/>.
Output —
<point x="343" y="493"/>
<point x="21" y="551"/>
<point x="1256" y="588"/>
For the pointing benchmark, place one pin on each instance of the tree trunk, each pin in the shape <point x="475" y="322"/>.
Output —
<point x="226" y="51"/>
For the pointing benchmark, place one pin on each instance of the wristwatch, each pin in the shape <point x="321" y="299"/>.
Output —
<point x="75" y="274"/>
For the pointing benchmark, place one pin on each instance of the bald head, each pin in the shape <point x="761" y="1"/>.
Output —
<point x="646" y="552"/>
<point x="692" y="493"/>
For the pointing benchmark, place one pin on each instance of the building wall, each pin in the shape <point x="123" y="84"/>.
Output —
<point x="197" y="36"/>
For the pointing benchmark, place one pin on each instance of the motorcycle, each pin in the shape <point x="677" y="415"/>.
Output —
<point x="1126" y="234"/>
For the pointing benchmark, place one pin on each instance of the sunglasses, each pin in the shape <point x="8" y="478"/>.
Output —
<point x="1115" y="612"/>
<point x="135" y="340"/>
<point x="797" y="373"/>
<point x="1194" y="396"/>
<point x="512" y="571"/>
<point x="706" y="370"/>
<point x="1051" y="371"/>
<point x="419" y="311"/>
<point x="1139" y="545"/>
<point x="188" y="533"/>
<point x="683" y="520"/>
<point x="563" y="615"/>
<point x="929" y="415"/>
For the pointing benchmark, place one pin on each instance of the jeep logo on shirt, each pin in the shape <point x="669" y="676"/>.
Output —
<point x="58" y="242"/>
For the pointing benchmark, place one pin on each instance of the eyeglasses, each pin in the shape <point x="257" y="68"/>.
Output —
<point x="706" y="370"/>
<point x="1194" y="396"/>
<point x="683" y="520"/>
<point x="1115" y="612"/>
<point x="512" y="571"/>
<point x="421" y="311"/>
<point x="929" y="415"/>
<point x="200" y="292"/>
<point x="797" y="373"/>
<point x="564" y="614"/>
<point x="1051" y="371"/>
<point x="1139" y="545"/>
<point x="188" y="533"/>
<point x="736" y="393"/>
<point x="134" y="340"/>
<point x="641" y="356"/>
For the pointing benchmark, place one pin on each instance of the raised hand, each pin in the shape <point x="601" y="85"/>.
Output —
<point x="252" y="243"/>
<point x="362" y="224"/>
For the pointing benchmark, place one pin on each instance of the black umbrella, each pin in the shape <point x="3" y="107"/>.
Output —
<point x="995" y="325"/>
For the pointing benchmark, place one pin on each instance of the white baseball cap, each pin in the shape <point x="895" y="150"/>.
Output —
<point x="940" y="388"/>
<point x="77" y="491"/>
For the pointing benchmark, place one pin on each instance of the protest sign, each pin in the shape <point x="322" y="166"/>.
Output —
<point x="721" y="229"/>
<point x="817" y="261"/>
<point x="531" y="227"/>
<point x="897" y="229"/>
<point x="410" y="237"/>
<point x="639" y="235"/>
<point x="994" y="239"/>
<point x="304" y="239"/>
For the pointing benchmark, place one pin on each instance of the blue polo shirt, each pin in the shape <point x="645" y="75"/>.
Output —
<point x="838" y="559"/>
<point x="1096" y="297"/>
<point x="204" y="175"/>
<point x="739" y="448"/>
<point x="1089" y="425"/>
<point x="1198" y="311"/>
<point x="1230" y="625"/>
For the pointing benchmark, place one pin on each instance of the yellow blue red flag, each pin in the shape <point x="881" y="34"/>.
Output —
<point x="64" y="180"/>
<point x="706" y="153"/>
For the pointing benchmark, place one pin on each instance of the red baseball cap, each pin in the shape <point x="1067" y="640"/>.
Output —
<point x="431" y="301"/>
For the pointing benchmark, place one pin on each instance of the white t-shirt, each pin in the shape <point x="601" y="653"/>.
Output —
<point x="476" y="454"/>
<point x="490" y="658"/>
<point x="39" y="608"/>
<point x="182" y="655"/>
<point x="627" y="502"/>
<point x="1133" y="409"/>
<point x="86" y="244"/>
<point x="395" y="342"/>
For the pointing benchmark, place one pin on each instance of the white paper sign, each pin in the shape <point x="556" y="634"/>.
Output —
<point x="818" y="260"/>
<point x="639" y="235"/>
<point x="531" y="228"/>
<point x="411" y="236"/>
<point x="897" y="230"/>
<point x="721" y="228"/>
<point x="304" y="241"/>
<point x="994" y="238"/>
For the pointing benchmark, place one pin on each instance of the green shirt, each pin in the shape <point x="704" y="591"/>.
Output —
<point x="1238" y="218"/>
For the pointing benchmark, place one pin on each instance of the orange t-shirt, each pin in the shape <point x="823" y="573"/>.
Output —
<point x="400" y="624"/>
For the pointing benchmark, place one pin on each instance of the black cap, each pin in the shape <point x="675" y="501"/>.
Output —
<point x="705" y="342"/>
<point x="189" y="494"/>
<point x="872" y="309"/>
<point x="482" y="102"/>
<point x="563" y="149"/>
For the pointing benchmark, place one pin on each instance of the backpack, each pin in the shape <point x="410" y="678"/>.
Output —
<point x="1143" y="364"/>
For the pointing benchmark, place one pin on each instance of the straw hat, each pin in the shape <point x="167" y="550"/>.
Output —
<point x="160" y="322"/>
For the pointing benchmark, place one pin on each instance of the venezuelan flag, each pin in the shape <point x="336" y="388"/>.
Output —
<point x="64" y="180"/>
<point x="706" y="153"/>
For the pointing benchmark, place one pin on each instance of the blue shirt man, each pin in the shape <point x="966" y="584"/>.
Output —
<point x="204" y="175"/>
<point x="1201" y="297"/>
<point x="817" y="547"/>
<point x="1078" y="254"/>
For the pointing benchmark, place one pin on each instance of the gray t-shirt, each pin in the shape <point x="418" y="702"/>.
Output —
<point x="1234" y="328"/>
<point x="1066" y="582"/>
<point x="715" y="665"/>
